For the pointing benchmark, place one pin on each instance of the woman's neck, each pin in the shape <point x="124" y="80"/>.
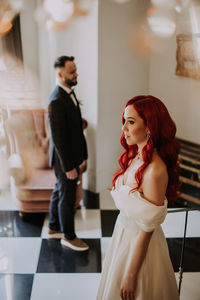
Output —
<point x="140" y="147"/>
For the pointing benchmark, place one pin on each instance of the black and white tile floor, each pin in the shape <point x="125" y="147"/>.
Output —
<point x="33" y="267"/>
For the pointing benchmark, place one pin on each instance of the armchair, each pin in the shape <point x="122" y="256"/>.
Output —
<point x="32" y="180"/>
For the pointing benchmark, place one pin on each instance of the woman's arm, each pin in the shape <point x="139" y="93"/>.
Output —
<point x="129" y="282"/>
<point x="153" y="188"/>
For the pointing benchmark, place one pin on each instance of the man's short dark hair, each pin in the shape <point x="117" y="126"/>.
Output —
<point x="61" y="60"/>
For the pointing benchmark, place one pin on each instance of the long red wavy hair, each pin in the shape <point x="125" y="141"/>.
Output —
<point x="162" y="137"/>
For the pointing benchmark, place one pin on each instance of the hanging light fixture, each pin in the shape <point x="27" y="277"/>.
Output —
<point x="160" y="18"/>
<point x="8" y="11"/>
<point x="5" y="27"/>
<point x="60" y="14"/>
<point x="161" y="25"/>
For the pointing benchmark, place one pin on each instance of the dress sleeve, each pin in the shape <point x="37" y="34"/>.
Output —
<point x="147" y="215"/>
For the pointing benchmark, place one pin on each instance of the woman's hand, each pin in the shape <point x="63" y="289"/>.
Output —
<point x="127" y="290"/>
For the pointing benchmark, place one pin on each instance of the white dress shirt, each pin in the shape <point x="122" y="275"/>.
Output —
<point x="68" y="90"/>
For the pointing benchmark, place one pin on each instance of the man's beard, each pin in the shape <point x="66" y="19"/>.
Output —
<point x="70" y="82"/>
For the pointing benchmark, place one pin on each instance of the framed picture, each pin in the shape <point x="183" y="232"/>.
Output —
<point x="188" y="55"/>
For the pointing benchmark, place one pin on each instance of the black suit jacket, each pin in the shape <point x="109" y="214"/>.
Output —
<point x="66" y="133"/>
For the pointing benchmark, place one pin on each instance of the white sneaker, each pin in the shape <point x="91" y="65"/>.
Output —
<point x="54" y="234"/>
<point x="75" y="244"/>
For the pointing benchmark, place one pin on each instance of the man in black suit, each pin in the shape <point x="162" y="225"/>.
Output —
<point x="68" y="152"/>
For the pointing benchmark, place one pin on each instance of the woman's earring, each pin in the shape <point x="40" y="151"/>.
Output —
<point x="148" y="135"/>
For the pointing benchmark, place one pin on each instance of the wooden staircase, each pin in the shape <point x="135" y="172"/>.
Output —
<point x="190" y="174"/>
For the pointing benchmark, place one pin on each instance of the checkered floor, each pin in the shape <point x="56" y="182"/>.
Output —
<point x="37" y="268"/>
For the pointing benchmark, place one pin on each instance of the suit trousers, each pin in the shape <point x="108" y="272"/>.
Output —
<point x="61" y="210"/>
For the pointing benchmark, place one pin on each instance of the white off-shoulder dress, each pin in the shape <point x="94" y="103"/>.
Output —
<point x="156" y="279"/>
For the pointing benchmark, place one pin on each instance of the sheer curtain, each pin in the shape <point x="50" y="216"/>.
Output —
<point x="11" y="42"/>
<point x="18" y="87"/>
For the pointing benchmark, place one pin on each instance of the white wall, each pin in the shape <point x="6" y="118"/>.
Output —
<point x="180" y="94"/>
<point x="121" y="75"/>
<point x="29" y="37"/>
<point x="110" y="74"/>
<point x="79" y="40"/>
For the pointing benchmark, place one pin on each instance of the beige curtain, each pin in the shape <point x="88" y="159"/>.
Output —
<point x="11" y="42"/>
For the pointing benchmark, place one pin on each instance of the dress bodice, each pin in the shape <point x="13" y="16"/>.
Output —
<point x="129" y="176"/>
<point x="146" y="214"/>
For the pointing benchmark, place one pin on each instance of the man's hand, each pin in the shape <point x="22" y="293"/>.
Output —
<point x="73" y="174"/>
<point x="83" y="167"/>
<point x="84" y="123"/>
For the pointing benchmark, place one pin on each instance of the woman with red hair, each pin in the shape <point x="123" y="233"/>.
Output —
<point x="137" y="264"/>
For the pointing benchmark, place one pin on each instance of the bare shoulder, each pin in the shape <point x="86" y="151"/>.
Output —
<point x="156" y="168"/>
<point x="155" y="181"/>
